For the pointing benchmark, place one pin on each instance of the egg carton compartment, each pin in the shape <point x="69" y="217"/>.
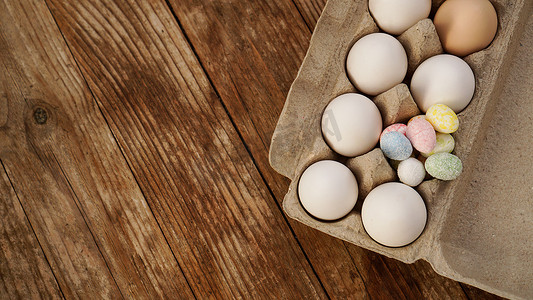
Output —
<point x="297" y="142"/>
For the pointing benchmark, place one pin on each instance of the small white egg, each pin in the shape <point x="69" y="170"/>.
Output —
<point x="351" y="124"/>
<point x="411" y="171"/>
<point x="328" y="190"/>
<point x="396" y="16"/>
<point x="394" y="214"/>
<point x="376" y="63"/>
<point x="443" y="79"/>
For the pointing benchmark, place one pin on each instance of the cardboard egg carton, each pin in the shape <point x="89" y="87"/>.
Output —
<point x="297" y="143"/>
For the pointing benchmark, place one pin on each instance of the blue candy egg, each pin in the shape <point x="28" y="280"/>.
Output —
<point x="395" y="145"/>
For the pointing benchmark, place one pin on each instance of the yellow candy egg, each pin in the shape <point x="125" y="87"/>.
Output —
<point x="442" y="118"/>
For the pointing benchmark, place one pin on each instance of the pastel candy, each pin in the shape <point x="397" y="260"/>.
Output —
<point x="444" y="166"/>
<point x="395" y="145"/>
<point x="399" y="127"/>
<point x="445" y="143"/>
<point x="416" y="118"/>
<point x="442" y="118"/>
<point x="422" y="135"/>
<point x="411" y="171"/>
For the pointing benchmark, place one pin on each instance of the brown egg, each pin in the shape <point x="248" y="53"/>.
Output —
<point x="466" y="26"/>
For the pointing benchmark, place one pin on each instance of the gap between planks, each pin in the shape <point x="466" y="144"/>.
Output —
<point x="61" y="172"/>
<point x="228" y="116"/>
<point x="93" y="97"/>
<point x="237" y="130"/>
<point x="239" y="133"/>
<point x="14" y="192"/>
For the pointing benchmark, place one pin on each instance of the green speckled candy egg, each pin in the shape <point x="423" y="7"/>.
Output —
<point x="444" y="166"/>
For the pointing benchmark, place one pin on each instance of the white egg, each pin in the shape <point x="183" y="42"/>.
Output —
<point x="394" y="214"/>
<point x="351" y="124"/>
<point x="328" y="190"/>
<point x="396" y="16"/>
<point x="443" y="79"/>
<point x="411" y="171"/>
<point x="376" y="63"/>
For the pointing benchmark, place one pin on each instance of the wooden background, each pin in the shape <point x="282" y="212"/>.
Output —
<point x="134" y="143"/>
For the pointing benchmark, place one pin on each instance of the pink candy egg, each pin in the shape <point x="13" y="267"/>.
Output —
<point x="422" y="135"/>
<point x="399" y="127"/>
<point x="417" y="117"/>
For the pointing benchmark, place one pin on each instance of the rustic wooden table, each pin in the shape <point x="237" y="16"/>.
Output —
<point x="134" y="150"/>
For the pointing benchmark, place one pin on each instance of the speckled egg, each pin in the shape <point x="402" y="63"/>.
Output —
<point x="416" y="118"/>
<point x="444" y="166"/>
<point x="395" y="146"/>
<point x="442" y="118"/>
<point x="399" y="127"/>
<point x="422" y="135"/>
<point x="411" y="171"/>
<point x="445" y="143"/>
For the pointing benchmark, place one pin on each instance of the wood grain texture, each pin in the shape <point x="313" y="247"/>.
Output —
<point x="240" y="55"/>
<point x="25" y="273"/>
<point x="91" y="220"/>
<point x="88" y="213"/>
<point x="310" y="10"/>
<point x="477" y="294"/>
<point x="226" y="231"/>
<point x="252" y="51"/>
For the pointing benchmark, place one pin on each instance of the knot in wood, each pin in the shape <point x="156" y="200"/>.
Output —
<point x="40" y="115"/>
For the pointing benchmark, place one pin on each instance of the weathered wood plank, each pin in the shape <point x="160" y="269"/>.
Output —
<point x="310" y="10"/>
<point x="88" y="213"/>
<point x="24" y="271"/>
<point x="252" y="51"/>
<point x="477" y="294"/>
<point x="223" y="225"/>
<point x="252" y="63"/>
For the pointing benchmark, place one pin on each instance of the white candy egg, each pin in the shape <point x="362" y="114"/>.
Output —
<point x="443" y="79"/>
<point x="328" y="190"/>
<point x="394" y="214"/>
<point x="351" y="124"/>
<point x="376" y="63"/>
<point x="411" y="171"/>
<point x="396" y="16"/>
